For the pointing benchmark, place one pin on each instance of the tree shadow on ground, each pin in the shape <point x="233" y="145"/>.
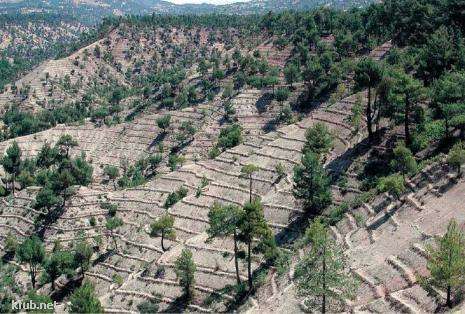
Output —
<point x="342" y="163"/>
<point x="65" y="291"/>
<point x="8" y="257"/>
<point x="160" y="138"/>
<point x="263" y="102"/>
<point x="103" y="257"/>
<point x="47" y="220"/>
<point x="270" y="125"/>
<point x="179" y="305"/>
<point x="177" y="148"/>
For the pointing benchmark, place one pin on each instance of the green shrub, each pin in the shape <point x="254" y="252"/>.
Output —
<point x="214" y="152"/>
<point x="393" y="184"/>
<point x="230" y="136"/>
<point x="175" y="197"/>
<point x="282" y="94"/>
<point x="336" y="213"/>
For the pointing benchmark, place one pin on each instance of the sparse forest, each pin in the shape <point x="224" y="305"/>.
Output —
<point x="279" y="162"/>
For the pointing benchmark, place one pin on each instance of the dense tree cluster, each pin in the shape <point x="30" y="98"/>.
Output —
<point x="54" y="170"/>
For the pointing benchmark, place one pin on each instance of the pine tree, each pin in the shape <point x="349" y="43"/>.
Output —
<point x="224" y="222"/>
<point x="62" y="183"/>
<point x="164" y="122"/>
<point x="291" y="73"/>
<point x="253" y="226"/>
<point x="393" y="184"/>
<point x="46" y="199"/>
<point x="404" y="94"/>
<point x="65" y="143"/>
<point x="403" y="160"/>
<point x="312" y="184"/>
<point x="163" y="227"/>
<point x="47" y="156"/>
<point x="112" y="174"/>
<point x="81" y="170"/>
<point x="11" y="245"/>
<point x="356" y="115"/>
<point x="11" y="162"/>
<point x="32" y="252"/>
<point x="322" y="275"/>
<point x="61" y="262"/>
<point x="248" y="171"/>
<point x="282" y="94"/>
<point x="447" y="95"/>
<point x="84" y="300"/>
<point x="82" y="255"/>
<point x="446" y="261"/>
<point x="112" y="224"/>
<point x="456" y="157"/>
<point x="38" y="299"/>
<point x="185" y="268"/>
<point x="455" y="115"/>
<point x="368" y="74"/>
<point x="319" y="140"/>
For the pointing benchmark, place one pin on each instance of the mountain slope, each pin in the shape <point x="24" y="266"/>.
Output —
<point x="91" y="11"/>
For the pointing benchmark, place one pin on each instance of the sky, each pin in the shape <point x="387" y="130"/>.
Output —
<point x="206" y="1"/>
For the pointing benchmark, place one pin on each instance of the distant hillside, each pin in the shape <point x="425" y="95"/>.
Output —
<point x="91" y="11"/>
<point x="264" y="6"/>
<point x="28" y="39"/>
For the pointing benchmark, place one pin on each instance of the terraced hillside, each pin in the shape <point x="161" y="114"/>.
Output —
<point x="26" y="40"/>
<point x="140" y="269"/>
<point x="125" y="61"/>
<point x="145" y="269"/>
<point x="139" y="256"/>
<point x="114" y="60"/>
<point x="128" y="142"/>
<point x="385" y="239"/>
<point x="93" y="11"/>
<point x="396" y="233"/>
<point x="131" y="166"/>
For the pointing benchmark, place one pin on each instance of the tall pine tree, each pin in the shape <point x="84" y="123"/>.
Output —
<point x="322" y="275"/>
<point x="447" y="261"/>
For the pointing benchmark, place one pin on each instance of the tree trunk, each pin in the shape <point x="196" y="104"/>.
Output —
<point x="33" y="276"/>
<point x="114" y="240"/>
<point x="323" y="308"/>
<point x="250" y="189"/>
<point x="162" y="242"/>
<point x="449" y="288"/>
<point x="13" y="187"/>
<point x="64" y="200"/>
<point x="378" y="113"/>
<point x="236" y="262"/>
<point x="116" y="243"/>
<point x="408" y="140"/>
<point x="249" y="264"/>
<point x="449" y="301"/>
<point x="369" y="117"/>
